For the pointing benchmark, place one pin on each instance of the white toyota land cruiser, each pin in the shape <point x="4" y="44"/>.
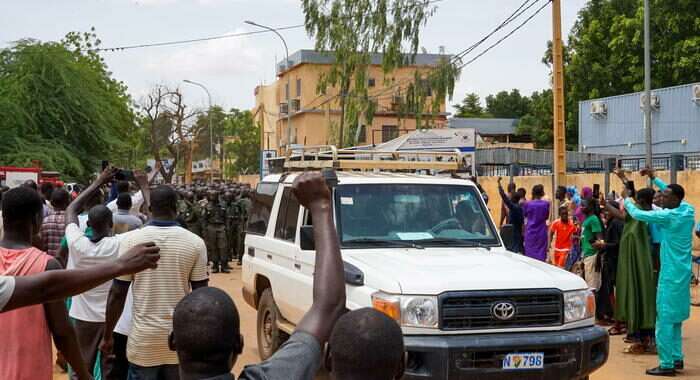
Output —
<point x="424" y="250"/>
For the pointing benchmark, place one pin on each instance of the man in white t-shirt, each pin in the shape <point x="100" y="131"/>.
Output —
<point x="136" y="199"/>
<point x="183" y="266"/>
<point x="88" y="309"/>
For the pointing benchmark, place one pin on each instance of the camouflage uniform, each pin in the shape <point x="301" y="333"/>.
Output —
<point x="190" y="214"/>
<point x="232" y="230"/>
<point x="243" y="205"/>
<point x="214" y="222"/>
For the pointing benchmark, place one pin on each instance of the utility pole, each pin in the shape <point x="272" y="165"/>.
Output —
<point x="288" y="74"/>
<point x="647" y="93"/>
<point x="558" y="92"/>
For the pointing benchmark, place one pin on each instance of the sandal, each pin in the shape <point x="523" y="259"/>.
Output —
<point x="617" y="330"/>
<point x="635" y="349"/>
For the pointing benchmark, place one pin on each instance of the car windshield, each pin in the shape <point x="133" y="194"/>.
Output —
<point x="375" y="215"/>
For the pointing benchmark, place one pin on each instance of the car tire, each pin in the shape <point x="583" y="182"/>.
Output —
<point x="270" y="337"/>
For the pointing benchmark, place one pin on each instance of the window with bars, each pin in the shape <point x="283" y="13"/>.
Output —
<point x="286" y="91"/>
<point x="371" y="82"/>
<point x="298" y="87"/>
<point x="389" y="132"/>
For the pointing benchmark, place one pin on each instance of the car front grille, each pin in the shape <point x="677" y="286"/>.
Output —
<point x="472" y="310"/>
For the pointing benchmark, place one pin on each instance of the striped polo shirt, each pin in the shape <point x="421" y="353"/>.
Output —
<point x="183" y="258"/>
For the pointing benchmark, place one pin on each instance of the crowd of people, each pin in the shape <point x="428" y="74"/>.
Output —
<point x="633" y="250"/>
<point x="158" y="318"/>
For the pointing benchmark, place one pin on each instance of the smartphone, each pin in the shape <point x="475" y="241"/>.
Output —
<point x="105" y="163"/>
<point x="124" y="175"/>
<point x="618" y="163"/>
<point x="596" y="191"/>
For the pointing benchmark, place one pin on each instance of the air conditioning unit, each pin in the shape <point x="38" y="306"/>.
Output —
<point x="296" y="105"/>
<point x="696" y="94"/>
<point x="599" y="108"/>
<point x="396" y="100"/>
<point x="284" y="108"/>
<point x="655" y="102"/>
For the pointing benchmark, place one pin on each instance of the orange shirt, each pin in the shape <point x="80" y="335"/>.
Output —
<point x="563" y="234"/>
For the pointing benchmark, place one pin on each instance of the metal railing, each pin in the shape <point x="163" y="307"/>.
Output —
<point x="686" y="162"/>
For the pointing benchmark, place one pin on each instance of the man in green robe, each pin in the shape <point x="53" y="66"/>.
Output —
<point x="677" y="220"/>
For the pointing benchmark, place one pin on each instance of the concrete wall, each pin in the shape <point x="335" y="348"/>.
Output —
<point x="690" y="180"/>
<point x="252" y="179"/>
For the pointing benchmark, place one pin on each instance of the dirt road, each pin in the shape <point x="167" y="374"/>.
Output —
<point x="619" y="367"/>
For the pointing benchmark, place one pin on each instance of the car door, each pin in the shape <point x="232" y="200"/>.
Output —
<point x="284" y="254"/>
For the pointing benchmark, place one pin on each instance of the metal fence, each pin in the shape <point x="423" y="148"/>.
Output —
<point x="689" y="162"/>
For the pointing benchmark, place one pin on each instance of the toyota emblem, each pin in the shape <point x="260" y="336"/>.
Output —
<point x="503" y="311"/>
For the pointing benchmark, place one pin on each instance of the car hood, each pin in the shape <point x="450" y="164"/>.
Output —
<point x="432" y="271"/>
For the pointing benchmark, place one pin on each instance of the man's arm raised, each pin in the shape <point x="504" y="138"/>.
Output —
<point x="54" y="285"/>
<point x="77" y="205"/>
<point x="329" y="277"/>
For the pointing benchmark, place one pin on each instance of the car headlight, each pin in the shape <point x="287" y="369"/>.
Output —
<point x="408" y="311"/>
<point x="578" y="305"/>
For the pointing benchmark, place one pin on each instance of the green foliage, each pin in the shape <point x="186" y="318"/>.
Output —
<point x="508" y="105"/>
<point x="538" y="121"/>
<point x="218" y="126"/>
<point x="245" y="149"/>
<point x="353" y="31"/>
<point x="470" y="107"/>
<point x="605" y="57"/>
<point x="60" y="105"/>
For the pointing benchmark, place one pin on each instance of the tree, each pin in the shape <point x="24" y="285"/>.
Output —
<point x="352" y="31"/>
<point x="539" y="120"/>
<point x="59" y="104"/>
<point x="245" y="148"/>
<point x="470" y="107"/>
<point x="509" y="105"/>
<point x="169" y="125"/>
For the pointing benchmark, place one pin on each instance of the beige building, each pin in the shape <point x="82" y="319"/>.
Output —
<point x="314" y="116"/>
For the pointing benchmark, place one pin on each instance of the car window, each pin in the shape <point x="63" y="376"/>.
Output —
<point x="416" y="213"/>
<point x="262" y="208"/>
<point x="286" y="226"/>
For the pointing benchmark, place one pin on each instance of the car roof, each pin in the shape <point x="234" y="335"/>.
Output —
<point x="367" y="177"/>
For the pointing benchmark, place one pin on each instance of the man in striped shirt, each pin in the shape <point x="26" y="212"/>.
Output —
<point x="183" y="266"/>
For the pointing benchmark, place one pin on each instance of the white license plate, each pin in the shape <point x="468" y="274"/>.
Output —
<point x="524" y="360"/>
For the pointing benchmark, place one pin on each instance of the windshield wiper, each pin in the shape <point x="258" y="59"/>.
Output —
<point x="458" y="242"/>
<point x="382" y="241"/>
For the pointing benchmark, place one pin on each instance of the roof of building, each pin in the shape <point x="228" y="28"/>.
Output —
<point x="313" y="56"/>
<point x="485" y="126"/>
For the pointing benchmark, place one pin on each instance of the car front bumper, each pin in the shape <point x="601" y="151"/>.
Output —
<point x="568" y="354"/>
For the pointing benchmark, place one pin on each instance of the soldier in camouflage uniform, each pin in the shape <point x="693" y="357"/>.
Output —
<point x="229" y="200"/>
<point x="243" y="205"/>
<point x="214" y="222"/>
<point x="190" y="213"/>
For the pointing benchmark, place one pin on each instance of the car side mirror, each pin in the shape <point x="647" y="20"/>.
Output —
<point x="306" y="238"/>
<point x="508" y="234"/>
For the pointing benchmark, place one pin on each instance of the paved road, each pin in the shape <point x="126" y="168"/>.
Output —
<point x="619" y="366"/>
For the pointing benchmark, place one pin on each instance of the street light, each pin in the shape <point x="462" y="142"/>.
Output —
<point x="289" y="86"/>
<point x="211" y="135"/>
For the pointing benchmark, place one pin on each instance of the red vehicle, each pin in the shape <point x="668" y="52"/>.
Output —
<point x="13" y="176"/>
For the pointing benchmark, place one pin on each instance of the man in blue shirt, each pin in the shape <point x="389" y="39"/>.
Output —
<point x="676" y="220"/>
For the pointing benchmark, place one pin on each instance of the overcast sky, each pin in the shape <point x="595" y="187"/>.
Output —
<point x="232" y="67"/>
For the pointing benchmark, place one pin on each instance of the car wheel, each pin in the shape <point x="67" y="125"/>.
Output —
<point x="270" y="338"/>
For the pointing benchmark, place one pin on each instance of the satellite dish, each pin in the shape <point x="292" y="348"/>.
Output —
<point x="424" y="50"/>
<point x="441" y="49"/>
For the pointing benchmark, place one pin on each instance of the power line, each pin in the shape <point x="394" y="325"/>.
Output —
<point x="507" y="35"/>
<point x="180" y="42"/>
<point x="514" y="15"/>
<point x="155" y="44"/>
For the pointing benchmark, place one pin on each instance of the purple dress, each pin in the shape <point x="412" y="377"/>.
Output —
<point x="536" y="213"/>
